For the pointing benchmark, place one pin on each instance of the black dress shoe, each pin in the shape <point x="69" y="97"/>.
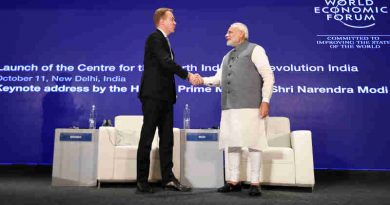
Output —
<point x="254" y="190"/>
<point x="144" y="187"/>
<point x="176" y="186"/>
<point x="230" y="187"/>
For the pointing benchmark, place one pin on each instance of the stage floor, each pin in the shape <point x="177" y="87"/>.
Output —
<point x="32" y="185"/>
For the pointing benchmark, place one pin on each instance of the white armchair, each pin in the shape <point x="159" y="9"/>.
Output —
<point x="117" y="151"/>
<point x="288" y="160"/>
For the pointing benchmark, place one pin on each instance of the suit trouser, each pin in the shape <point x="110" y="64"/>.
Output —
<point x="157" y="113"/>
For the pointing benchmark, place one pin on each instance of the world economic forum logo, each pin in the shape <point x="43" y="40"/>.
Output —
<point x="352" y="13"/>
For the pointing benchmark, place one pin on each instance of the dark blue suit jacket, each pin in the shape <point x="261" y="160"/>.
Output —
<point x="158" y="81"/>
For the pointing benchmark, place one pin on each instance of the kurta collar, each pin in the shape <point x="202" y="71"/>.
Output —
<point x="242" y="46"/>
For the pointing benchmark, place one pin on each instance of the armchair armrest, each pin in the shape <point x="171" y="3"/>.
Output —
<point x="106" y="152"/>
<point x="303" y="153"/>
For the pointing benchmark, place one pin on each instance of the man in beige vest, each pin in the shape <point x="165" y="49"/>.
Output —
<point x="247" y="80"/>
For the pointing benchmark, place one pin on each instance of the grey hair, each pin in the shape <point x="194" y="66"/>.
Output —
<point x="242" y="27"/>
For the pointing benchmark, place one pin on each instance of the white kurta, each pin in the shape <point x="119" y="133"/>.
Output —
<point x="244" y="127"/>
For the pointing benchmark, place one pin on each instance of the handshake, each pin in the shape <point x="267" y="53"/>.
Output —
<point x="195" y="79"/>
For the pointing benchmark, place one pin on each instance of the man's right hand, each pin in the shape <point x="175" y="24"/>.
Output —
<point x="264" y="109"/>
<point x="195" y="79"/>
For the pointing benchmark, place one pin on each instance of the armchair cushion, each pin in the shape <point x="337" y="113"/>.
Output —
<point x="278" y="140"/>
<point x="126" y="137"/>
<point x="278" y="131"/>
<point x="126" y="152"/>
<point x="128" y="131"/>
<point x="278" y="155"/>
<point x="130" y="152"/>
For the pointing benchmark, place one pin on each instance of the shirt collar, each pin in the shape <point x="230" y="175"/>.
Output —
<point x="165" y="35"/>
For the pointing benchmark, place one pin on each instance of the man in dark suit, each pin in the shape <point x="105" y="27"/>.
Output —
<point x="157" y="95"/>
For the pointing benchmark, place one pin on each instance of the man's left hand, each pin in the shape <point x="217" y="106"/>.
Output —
<point x="264" y="109"/>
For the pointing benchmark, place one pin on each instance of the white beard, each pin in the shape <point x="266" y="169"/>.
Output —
<point x="229" y="43"/>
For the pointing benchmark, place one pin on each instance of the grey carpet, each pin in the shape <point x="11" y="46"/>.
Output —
<point x="33" y="186"/>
